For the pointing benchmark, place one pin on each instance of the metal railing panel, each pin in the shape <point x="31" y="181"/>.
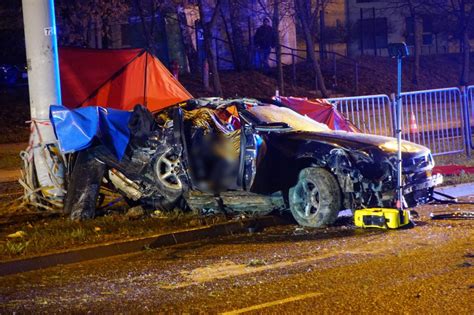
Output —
<point x="438" y="115"/>
<point x="470" y="113"/>
<point x="371" y="113"/>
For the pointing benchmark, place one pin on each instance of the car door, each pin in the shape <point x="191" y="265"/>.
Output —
<point x="206" y="168"/>
<point x="250" y="147"/>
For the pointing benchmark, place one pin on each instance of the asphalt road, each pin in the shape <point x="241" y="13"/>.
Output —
<point x="286" y="269"/>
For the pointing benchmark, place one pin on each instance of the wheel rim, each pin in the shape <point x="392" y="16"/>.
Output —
<point x="307" y="198"/>
<point x="167" y="168"/>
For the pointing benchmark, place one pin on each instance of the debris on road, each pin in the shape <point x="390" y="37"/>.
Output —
<point x="256" y="262"/>
<point x="348" y="267"/>
<point x="458" y="215"/>
<point x="135" y="213"/>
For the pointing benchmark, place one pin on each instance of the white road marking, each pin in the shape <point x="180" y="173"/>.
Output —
<point x="229" y="269"/>
<point x="273" y="303"/>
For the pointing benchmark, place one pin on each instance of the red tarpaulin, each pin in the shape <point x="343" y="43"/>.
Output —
<point x="117" y="78"/>
<point x="321" y="111"/>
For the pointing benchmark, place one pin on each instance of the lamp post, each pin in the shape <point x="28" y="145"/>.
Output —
<point x="399" y="51"/>
<point x="45" y="165"/>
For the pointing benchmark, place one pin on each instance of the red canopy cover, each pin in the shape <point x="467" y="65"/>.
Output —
<point x="321" y="111"/>
<point x="117" y="78"/>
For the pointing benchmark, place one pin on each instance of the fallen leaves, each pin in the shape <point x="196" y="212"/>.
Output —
<point x="17" y="234"/>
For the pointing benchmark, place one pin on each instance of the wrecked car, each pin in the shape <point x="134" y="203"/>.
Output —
<point x="243" y="155"/>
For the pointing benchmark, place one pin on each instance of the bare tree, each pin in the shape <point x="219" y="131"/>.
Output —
<point x="186" y="35"/>
<point x="461" y="13"/>
<point x="417" y="10"/>
<point x="78" y="19"/>
<point x="208" y="23"/>
<point x="231" y="14"/>
<point x="276" y="11"/>
<point x="147" y="10"/>
<point x="276" y="29"/>
<point x="308" y="13"/>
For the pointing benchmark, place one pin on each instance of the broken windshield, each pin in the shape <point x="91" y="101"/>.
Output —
<point x="272" y="114"/>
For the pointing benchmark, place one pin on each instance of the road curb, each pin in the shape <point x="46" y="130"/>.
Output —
<point x="136" y="245"/>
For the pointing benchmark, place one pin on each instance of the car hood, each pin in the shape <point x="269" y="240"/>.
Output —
<point x="360" y="141"/>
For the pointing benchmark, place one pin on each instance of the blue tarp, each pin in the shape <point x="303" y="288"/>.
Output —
<point x="78" y="128"/>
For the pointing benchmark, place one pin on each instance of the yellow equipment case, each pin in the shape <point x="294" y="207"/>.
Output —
<point x="381" y="218"/>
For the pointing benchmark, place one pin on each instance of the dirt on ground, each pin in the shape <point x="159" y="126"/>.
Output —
<point x="377" y="75"/>
<point x="288" y="269"/>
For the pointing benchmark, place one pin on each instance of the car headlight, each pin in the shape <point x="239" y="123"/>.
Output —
<point x="392" y="146"/>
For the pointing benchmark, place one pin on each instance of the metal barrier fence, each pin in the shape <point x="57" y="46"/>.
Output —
<point x="438" y="115"/>
<point x="443" y="117"/>
<point x="371" y="114"/>
<point x="470" y="114"/>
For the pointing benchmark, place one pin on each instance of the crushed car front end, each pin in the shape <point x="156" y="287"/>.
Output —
<point x="366" y="166"/>
<point x="378" y="166"/>
<point x="419" y="180"/>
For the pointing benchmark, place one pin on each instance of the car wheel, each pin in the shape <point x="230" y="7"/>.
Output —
<point x="170" y="175"/>
<point x="315" y="200"/>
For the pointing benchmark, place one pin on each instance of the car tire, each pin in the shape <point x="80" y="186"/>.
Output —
<point x="315" y="200"/>
<point x="170" y="177"/>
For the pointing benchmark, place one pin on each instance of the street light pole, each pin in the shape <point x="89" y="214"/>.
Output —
<point x="399" y="134"/>
<point x="44" y="89"/>
<point x="399" y="51"/>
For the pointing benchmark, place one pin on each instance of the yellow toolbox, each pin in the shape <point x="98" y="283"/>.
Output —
<point x="381" y="218"/>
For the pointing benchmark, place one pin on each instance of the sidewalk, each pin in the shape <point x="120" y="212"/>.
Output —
<point x="460" y="190"/>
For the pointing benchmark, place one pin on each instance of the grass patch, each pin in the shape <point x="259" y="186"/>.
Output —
<point x="456" y="160"/>
<point x="50" y="235"/>
<point x="462" y="178"/>
<point x="16" y="247"/>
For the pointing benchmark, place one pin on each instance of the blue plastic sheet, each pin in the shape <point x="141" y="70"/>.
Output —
<point x="78" y="129"/>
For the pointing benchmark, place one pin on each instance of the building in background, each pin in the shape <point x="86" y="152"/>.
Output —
<point x="347" y="27"/>
<point x="168" y="41"/>
<point x="372" y="24"/>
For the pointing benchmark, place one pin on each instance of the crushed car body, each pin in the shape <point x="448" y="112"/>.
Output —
<point x="243" y="155"/>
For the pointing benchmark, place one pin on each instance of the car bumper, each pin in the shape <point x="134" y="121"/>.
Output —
<point x="427" y="183"/>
